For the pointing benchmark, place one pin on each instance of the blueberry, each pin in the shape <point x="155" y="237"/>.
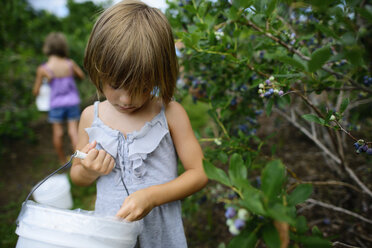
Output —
<point x="369" y="151"/>
<point x="230" y="213"/>
<point x="280" y="93"/>
<point x="326" y="221"/>
<point x="268" y="82"/>
<point x="258" y="181"/>
<point x="258" y="112"/>
<point x="239" y="224"/>
<point x="267" y="94"/>
<point x="363" y="148"/>
<point x="356" y="145"/>
<point x="233" y="102"/>
<point x="262" y="53"/>
<point x="243" y="128"/>
<point x="271" y="91"/>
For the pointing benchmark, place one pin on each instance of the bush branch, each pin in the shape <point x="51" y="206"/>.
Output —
<point x="338" y="209"/>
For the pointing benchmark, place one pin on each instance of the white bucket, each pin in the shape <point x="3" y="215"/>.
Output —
<point x="40" y="226"/>
<point x="43" y="99"/>
<point x="56" y="192"/>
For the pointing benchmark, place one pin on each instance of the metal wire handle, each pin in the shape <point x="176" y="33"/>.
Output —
<point x="77" y="154"/>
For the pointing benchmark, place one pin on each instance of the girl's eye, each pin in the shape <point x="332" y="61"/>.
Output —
<point x="115" y="87"/>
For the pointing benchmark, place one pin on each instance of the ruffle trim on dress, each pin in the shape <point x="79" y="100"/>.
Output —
<point x="140" y="144"/>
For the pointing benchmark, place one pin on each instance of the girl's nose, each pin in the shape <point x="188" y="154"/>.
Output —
<point x="125" y="99"/>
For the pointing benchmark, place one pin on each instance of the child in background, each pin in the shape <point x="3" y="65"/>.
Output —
<point x="64" y="96"/>
<point x="134" y="138"/>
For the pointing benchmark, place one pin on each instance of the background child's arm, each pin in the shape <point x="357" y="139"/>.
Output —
<point x="77" y="70"/>
<point x="86" y="171"/>
<point x="140" y="203"/>
<point x="40" y="73"/>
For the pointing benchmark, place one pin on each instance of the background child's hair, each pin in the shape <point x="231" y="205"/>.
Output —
<point x="55" y="44"/>
<point x="132" y="47"/>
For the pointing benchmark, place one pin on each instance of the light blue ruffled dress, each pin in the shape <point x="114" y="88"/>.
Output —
<point x="144" y="158"/>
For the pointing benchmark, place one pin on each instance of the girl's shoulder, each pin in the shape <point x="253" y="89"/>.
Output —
<point x="87" y="116"/>
<point x="175" y="114"/>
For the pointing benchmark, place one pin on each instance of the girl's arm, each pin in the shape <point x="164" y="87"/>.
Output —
<point x="40" y="73"/>
<point x="77" y="70"/>
<point x="140" y="203"/>
<point x="85" y="171"/>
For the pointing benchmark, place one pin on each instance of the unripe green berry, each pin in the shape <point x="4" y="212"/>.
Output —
<point x="243" y="214"/>
<point x="233" y="230"/>
<point x="332" y="118"/>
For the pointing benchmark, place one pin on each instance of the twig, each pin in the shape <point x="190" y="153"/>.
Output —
<point x="338" y="209"/>
<point x="308" y="134"/>
<point x="324" y="183"/>
<point x="338" y="243"/>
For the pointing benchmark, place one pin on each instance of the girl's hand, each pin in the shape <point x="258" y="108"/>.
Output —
<point x="98" y="162"/>
<point x="136" y="205"/>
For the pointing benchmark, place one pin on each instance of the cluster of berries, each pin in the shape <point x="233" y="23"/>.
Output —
<point x="269" y="88"/>
<point x="361" y="146"/>
<point x="367" y="81"/>
<point x="236" y="220"/>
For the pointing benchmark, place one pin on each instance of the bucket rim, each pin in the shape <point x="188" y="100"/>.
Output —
<point x="77" y="212"/>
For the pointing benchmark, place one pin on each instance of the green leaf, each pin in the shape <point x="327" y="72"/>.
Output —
<point x="344" y="105"/>
<point x="271" y="236"/>
<point x="271" y="6"/>
<point x="223" y="157"/>
<point x="290" y="61"/>
<point x="245" y="239"/>
<point x="314" y="118"/>
<point x="232" y="13"/>
<point x="301" y="225"/>
<point x="318" y="59"/>
<point x="315" y="242"/>
<point x="300" y="194"/>
<point x="273" y="177"/>
<point x="241" y="3"/>
<point x="326" y="30"/>
<point x="215" y="173"/>
<point x="253" y="201"/>
<point x="281" y="213"/>
<point x="237" y="168"/>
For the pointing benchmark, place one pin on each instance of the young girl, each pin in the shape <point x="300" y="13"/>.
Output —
<point x="134" y="137"/>
<point x="64" y="99"/>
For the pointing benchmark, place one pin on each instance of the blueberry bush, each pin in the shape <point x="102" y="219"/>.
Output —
<point x="307" y="62"/>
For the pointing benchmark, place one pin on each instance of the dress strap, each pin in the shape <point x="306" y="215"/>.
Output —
<point x="164" y="118"/>
<point x="96" y="103"/>
<point x="71" y="66"/>
<point x="48" y="70"/>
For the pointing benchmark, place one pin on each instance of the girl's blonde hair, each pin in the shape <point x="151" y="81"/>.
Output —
<point x="132" y="47"/>
<point x="55" y="44"/>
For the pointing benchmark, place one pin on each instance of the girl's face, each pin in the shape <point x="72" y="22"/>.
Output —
<point x="121" y="101"/>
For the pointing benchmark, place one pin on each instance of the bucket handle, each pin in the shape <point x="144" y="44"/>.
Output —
<point x="77" y="154"/>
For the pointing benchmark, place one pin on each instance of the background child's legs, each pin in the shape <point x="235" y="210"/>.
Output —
<point x="58" y="141"/>
<point x="56" y="117"/>
<point x="72" y="127"/>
